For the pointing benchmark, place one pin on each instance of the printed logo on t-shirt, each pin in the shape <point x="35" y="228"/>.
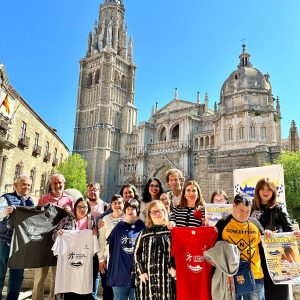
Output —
<point x="127" y="244"/>
<point x="193" y="262"/>
<point x="34" y="232"/>
<point x="76" y="260"/>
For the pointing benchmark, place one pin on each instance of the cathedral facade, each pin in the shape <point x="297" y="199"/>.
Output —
<point x="243" y="130"/>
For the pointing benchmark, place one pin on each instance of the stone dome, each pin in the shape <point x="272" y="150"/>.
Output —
<point x="246" y="78"/>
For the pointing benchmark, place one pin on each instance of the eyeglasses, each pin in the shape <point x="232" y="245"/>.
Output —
<point x="154" y="185"/>
<point x="156" y="212"/>
<point x="82" y="207"/>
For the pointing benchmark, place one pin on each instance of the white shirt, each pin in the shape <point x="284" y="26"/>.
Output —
<point x="75" y="250"/>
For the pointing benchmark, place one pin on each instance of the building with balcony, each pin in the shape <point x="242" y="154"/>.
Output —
<point x="27" y="144"/>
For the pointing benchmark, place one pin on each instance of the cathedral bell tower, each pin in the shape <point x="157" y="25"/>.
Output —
<point x="106" y="114"/>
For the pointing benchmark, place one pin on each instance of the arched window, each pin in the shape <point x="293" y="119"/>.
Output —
<point x="196" y="144"/>
<point x="201" y="142"/>
<point x="230" y="134"/>
<point x="163" y="135"/>
<point x="212" y="140"/>
<point x="252" y="132"/>
<point x="241" y="132"/>
<point x="207" y="142"/>
<point x="117" y="78"/>
<point x="89" y="80"/>
<point x="175" y="132"/>
<point x="97" y="77"/>
<point x="263" y="132"/>
<point x="18" y="169"/>
<point x="123" y="82"/>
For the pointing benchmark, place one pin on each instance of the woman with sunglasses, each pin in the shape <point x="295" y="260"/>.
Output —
<point x="154" y="272"/>
<point x="152" y="191"/>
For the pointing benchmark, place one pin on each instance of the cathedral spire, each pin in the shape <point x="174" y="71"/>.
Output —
<point x="215" y="108"/>
<point x="176" y="94"/>
<point x="278" y="106"/>
<point x="130" y="50"/>
<point x="244" y="58"/>
<point x="198" y="98"/>
<point x="206" y="102"/>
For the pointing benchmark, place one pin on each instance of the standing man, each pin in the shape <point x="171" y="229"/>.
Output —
<point x="8" y="202"/>
<point x="174" y="179"/>
<point x="59" y="198"/>
<point x="98" y="207"/>
<point x="243" y="231"/>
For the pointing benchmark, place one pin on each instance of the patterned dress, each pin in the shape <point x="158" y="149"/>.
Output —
<point x="152" y="256"/>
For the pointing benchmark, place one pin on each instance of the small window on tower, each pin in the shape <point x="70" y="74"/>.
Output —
<point x="236" y="77"/>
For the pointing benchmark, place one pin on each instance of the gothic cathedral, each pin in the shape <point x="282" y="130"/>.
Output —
<point x="243" y="130"/>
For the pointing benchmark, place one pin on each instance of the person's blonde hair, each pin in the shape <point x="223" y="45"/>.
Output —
<point x="199" y="201"/>
<point x="149" y="223"/>
<point x="259" y="186"/>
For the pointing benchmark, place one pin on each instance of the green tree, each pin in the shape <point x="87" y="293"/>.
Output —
<point x="74" y="170"/>
<point x="291" y="165"/>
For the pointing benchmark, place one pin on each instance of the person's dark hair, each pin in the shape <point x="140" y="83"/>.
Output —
<point x="116" y="197"/>
<point x="82" y="200"/>
<point x="240" y="198"/>
<point x="130" y="186"/>
<point x="132" y="203"/>
<point x="146" y="194"/>
<point x="219" y="192"/>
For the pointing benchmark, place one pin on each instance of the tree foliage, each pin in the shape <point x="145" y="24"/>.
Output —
<point x="74" y="170"/>
<point x="291" y="165"/>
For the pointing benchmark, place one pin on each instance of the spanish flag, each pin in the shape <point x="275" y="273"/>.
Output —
<point x="5" y="103"/>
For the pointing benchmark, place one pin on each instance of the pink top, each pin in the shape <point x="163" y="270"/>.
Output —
<point x="64" y="200"/>
<point x="82" y="223"/>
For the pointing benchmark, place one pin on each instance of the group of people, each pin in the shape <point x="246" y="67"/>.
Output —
<point x="134" y="258"/>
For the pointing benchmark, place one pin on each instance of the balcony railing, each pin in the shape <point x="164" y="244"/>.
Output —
<point x="4" y="125"/>
<point x="23" y="142"/>
<point x="54" y="162"/>
<point x="47" y="157"/>
<point x="36" y="150"/>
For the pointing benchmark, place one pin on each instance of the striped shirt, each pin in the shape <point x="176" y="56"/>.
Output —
<point x="184" y="217"/>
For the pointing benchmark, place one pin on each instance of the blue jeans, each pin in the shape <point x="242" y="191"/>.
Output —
<point x="96" y="277"/>
<point x="121" y="293"/>
<point x="15" y="278"/>
<point x="257" y="294"/>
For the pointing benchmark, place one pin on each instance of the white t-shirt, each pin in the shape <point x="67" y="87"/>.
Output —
<point x="75" y="250"/>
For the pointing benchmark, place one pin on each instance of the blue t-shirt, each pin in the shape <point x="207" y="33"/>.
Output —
<point x="121" y="245"/>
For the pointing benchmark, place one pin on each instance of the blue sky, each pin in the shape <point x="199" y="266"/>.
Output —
<point x="192" y="45"/>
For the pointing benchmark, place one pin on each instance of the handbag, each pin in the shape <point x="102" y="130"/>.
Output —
<point x="244" y="281"/>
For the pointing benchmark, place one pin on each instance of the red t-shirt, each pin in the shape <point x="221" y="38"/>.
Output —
<point x="193" y="273"/>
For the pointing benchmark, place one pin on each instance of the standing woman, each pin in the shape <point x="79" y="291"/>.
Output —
<point x="190" y="212"/>
<point x="108" y="224"/>
<point x="80" y="220"/>
<point x="152" y="191"/>
<point x="154" y="272"/>
<point x="272" y="216"/>
<point x="121" y="244"/>
<point x="219" y="197"/>
<point x="128" y="191"/>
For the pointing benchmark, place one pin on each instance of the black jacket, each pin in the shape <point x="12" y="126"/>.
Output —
<point x="274" y="218"/>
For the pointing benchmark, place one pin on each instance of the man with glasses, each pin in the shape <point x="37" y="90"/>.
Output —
<point x="98" y="207"/>
<point x="58" y="197"/>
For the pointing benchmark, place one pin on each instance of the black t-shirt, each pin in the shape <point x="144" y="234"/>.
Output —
<point x="32" y="238"/>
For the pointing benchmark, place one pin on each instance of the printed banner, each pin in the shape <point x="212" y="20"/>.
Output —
<point x="282" y="256"/>
<point x="245" y="179"/>
<point x="215" y="212"/>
